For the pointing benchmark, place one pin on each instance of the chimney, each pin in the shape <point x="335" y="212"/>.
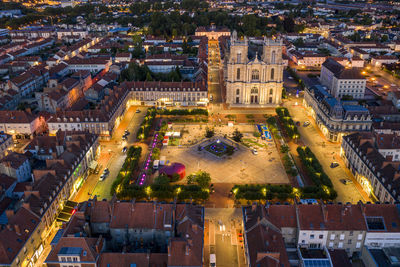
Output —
<point x="254" y="207"/>
<point x="17" y="229"/>
<point x="187" y="249"/>
<point x="9" y="214"/>
<point x="26" y="205"/>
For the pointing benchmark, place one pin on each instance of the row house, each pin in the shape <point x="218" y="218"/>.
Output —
<point x="6" y="144"/>
<point x="20" y="123"/>
<point x="172" y="234"/>
<point x="101" y="121"/>
<point x="342" y="81"/>
<point x="330" y="227"/>
<point x="377" y="175"/>
<point x="28" y="82"/>
<point x="43" y="198"/>
<point x="17" y="166"/>
<point x="69" y="52"/>
<point x="168" y="93"/>
<point x="65" y="33"/>
<point x="33" y="33"/>
<point x="52" y="100"/>
<point x="335" y="118"/>
<point x="94" y="65"/>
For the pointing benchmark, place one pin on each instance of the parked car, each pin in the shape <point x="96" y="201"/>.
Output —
<point x="106" y="171"/>
<point x="334" y="164"/>
<point x="126" y="133"/>
<point x="297" y="123"/>
<point x="138" y="111"/>
<point x="124" y="137"/>
<point x="346" y="181"/>
<point x="306" y="123"/>
<point x="255" y="152"/>
<point x="124" y="149"/>
<point x="102" y="177"/>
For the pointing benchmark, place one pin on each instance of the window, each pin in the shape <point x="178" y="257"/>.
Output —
<point x="342" y="237"/>
<point x="272" y="74"/>
<point x="238" y="74"/>
<point x="340" y="245"/>
<point x="273" y="55"/>
<point x="321" y="236"/>
<point x="311" y="236"/>
<point x="358" y="244"/>
<point x="237" y="91"/>
<point x="331" y="244"/>
<point x="359" y="237"/>
<point x="349" y="241"/>
<point x="255" y="75"/>
<point x="254" y="91"/>
<point x="332" y="236"/>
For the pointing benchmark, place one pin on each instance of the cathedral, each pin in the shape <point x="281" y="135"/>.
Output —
<point x="254" y="78"/>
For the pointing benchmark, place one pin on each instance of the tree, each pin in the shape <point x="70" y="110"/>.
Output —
<point x="201" y="178"/>
<point x="148" y="77"/>
<point x="284" y="149"/>
<point x="162" y="180"/>
<point x="237" y="136"/>
<point x="210" y="132"/>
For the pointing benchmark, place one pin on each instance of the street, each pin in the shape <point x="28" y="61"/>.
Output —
<point x="221" y="237"/>
<point x="112" y="157"/>
<point x="326" y="152"/>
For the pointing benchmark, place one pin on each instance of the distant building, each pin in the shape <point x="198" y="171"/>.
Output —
<point x="212" y="32"/>
<point x="342" y="81"/>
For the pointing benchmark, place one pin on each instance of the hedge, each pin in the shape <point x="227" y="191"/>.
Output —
<point x="315" y="171"/>
<point x="181" y="112"/>
<point x="146" y="124"/>
<point x="288" y="124"/>
<point x="128" y="168"/>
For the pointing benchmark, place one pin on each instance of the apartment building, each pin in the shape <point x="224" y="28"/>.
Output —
<point x="6" y="144"/>
<point x="335" y="118"/>
<point x="94" y="65"/>
<point x="327" y="234"/>
<point x="376" y="174"/>
<point x="170" y="234"/>
<point x="342" y="81"/>
<point x="332" y="226"/>
<point x="20" y="123"/>
<point x="168" y="93"/>
<point x="43" y="198"/>
<point x="101" y="121"/>
<point x="16" y="165"/>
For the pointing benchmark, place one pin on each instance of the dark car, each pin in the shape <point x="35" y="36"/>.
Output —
<point x="334" y="164"/>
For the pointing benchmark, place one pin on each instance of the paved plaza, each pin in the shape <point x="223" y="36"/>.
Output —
<point x="240" y="168"/>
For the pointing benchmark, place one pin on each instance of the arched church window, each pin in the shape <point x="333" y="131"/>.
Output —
<point x="254" y="91"/>
<point x="238" y="74"/>
<point x="238" y="91"/>
<point x="255" y="75"/>
<point x="272" y="74"/>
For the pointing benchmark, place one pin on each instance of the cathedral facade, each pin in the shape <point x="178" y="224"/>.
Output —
<point x="256" y="81"/>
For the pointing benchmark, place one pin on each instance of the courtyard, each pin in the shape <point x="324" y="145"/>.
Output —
<point x="210" y="155"/>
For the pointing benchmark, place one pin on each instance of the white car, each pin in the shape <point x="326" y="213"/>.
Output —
<point x="306" y="123"/>
<point x="255" y="152"/>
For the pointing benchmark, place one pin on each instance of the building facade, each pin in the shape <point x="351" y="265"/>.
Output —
<point x="335" y="118"/>
<point x="342" y="81"/>
<point x="255" y="82"/>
